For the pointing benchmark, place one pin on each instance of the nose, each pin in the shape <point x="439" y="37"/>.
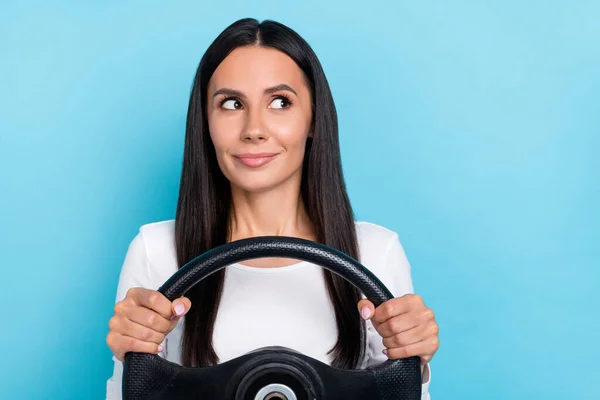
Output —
<point x="254" y="130"/>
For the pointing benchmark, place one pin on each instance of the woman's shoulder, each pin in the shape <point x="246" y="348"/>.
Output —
<point x="382" y="253"/>
<point x="157" y="242"/>
<point x="372" y="236"/>
<point x="159" y="230"/>
<point x="371" y="229"/>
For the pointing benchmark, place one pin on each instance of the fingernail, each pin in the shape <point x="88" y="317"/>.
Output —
<point x="160" y="348"/>
<point x="365" y="312"/>
<point x="385" y="352"/>
<point x="179" y="309"/>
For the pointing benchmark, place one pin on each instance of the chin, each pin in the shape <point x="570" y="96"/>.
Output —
<point x="255" y="185"/>
<point x="262" y="181"/>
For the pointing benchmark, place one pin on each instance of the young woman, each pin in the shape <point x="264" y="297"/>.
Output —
<point x="262" y="158"/>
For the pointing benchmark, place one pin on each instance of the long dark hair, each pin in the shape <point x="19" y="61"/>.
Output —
<point x="204" y="201"/>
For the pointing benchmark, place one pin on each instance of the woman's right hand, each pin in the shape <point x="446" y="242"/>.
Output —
<point x="142" y="320"/>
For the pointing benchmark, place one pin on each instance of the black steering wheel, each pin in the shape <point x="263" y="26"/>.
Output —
<point x="271" y="373"/>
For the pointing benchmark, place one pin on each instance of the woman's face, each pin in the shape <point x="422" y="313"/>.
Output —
<point x="259" y="117"/>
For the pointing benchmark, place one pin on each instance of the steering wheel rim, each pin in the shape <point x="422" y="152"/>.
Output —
<point x="275" y="246"/>
<point x="322" y="255"/>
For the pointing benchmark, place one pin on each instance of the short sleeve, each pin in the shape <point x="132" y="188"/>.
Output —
<point x="397" y="277"/>
<point x="135" y="272"/>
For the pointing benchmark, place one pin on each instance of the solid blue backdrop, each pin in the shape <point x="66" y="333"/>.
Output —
<point x="471" y="128"/>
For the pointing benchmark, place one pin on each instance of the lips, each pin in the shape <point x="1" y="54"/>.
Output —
<point x="255" y="160"/>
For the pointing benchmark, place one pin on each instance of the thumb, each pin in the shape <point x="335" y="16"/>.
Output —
<point x="366" y="309"/>
<point x="180" y="307"/>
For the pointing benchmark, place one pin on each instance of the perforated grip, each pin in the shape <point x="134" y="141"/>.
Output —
<point x="146" y="376"/>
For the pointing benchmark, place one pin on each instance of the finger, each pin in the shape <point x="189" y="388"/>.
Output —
<point x="180" y="307"/>
<point x="396" y="306"/>
<point x="399" y="324"/>
<point x="423" y="349"/>
<point x="148" y="318"/>
<point x="140" y="332"/>
<point x="411" y="336"/>
<point x="126" y="344"/>
<point x="153" y="300"/>
<point x="366" y="309"/>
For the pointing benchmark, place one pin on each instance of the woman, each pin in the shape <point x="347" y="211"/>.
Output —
<point x="262" y="158"/>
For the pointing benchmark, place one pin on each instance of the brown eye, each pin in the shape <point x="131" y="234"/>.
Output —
<point x="231" y="104"/>
<point x="280" y="102"/>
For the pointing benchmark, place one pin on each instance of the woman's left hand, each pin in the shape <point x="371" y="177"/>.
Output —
<point x="407" y="326"/>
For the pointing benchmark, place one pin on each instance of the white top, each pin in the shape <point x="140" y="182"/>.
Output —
<point x="286" y="306"/>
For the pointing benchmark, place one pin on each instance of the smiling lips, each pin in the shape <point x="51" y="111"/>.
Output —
<point x="255" y="160"/>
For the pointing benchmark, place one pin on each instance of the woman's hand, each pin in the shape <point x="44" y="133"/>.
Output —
<point x="407" y="326"/>
<point x="142" y="320"/>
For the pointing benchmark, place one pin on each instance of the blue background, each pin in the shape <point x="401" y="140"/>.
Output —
<point x="471" y="128"/>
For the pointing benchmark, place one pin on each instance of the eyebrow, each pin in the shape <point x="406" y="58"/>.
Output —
<point x="272" y="89"/>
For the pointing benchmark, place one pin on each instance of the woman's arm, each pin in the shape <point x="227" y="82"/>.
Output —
<point x="396" y="275"/>
<point x="135" y="272"/>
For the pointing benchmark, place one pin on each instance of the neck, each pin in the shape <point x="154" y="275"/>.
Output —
<point x="278" y="211"/>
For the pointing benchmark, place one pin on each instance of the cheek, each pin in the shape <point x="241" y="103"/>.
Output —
<point x="223" y="133"/>
<point x="291" y="132"/>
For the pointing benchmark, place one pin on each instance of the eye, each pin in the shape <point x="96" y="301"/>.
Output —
<point x="280" y="102"/>
<point x="231" y="104"/>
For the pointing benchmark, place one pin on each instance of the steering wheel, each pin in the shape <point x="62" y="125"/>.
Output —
<point x="271" y="373"/>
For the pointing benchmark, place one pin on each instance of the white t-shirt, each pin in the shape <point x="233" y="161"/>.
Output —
<point x="285" y="306"/>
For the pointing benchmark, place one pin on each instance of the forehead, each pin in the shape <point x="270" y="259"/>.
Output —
<point x="256" y="68"/>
